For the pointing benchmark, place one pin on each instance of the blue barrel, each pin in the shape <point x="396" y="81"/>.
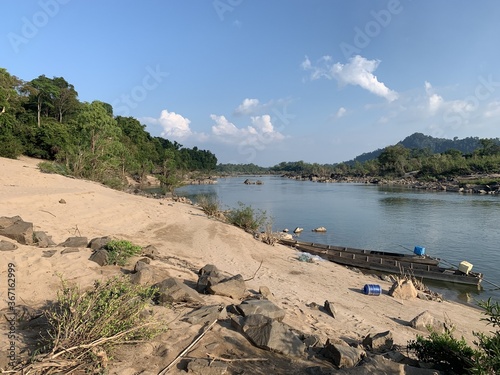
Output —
<point x="372" y="290"/>
<point x="419" y="250"/>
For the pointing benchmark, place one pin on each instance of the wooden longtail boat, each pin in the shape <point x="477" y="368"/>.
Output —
<point x="395" y="265"/>
<point x="414" y="258"/>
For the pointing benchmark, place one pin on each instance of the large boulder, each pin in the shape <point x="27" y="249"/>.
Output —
<point x="208" y="275"/>
<point x="173" y="290"/>
<point x="205" y="314"/>
<point x="7" y="246"/>
<point x="272" y="335"/>
<point x="425" y="321"/>
<point x="42" y="239"/>
<point x="100" y="257"/>
<point x="99" y="243"/>
<point x="16" y="229"/>
<point x="342" y="355"/>
<point x="233" y="287"/>
<point x="261" y="307"/>
<point x="380" y="342"/>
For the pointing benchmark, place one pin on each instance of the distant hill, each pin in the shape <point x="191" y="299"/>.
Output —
<point x="434" y="145"/>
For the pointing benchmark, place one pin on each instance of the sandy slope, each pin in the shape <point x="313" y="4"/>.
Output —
<point x="191" y="240"/>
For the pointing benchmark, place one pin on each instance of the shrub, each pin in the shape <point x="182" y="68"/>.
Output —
<point x="488" y="361"/>
<point x="209" y="204"/>
<point x="444" y="350"/>
<point x="119" y="251"/>
<point x="53" y="167"/>
<point x="85" y="325"/>
<point x="247" y="218"/>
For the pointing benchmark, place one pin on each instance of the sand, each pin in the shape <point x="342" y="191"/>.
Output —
<point x="183" y="234"/>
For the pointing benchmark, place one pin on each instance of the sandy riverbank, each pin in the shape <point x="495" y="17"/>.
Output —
<point x="191" y="240"/>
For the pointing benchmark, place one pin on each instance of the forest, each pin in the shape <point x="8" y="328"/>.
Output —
<point x="43" y="118"/>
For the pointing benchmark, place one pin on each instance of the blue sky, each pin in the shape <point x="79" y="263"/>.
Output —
<point x="261" y="81"/>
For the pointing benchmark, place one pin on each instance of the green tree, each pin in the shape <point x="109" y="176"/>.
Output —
<point x="394" y="159"/>
<point x="65" y="100"/>
<point x="42" y="94"/>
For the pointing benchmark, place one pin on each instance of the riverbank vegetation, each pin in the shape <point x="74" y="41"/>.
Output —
<point x="43" y="118"/>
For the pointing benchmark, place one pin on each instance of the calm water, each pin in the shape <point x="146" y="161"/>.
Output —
<point x="451" y="226"/>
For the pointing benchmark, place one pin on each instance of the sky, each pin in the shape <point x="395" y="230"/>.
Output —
<point x="263" y="81"/>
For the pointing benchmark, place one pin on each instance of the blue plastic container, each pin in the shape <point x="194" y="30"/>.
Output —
<point x="372" y="290"/>
<point x="419" y="250"/>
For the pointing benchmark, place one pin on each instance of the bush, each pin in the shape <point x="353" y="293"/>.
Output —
<point x="247" y="218"/>
<point x="119" y="251"/>
<point x="85" y="325"/>
<point x="445" y="351"/>
<point x="209" y="204"/>
<point x="53" y="167"/>
<point x="488" y="361"/>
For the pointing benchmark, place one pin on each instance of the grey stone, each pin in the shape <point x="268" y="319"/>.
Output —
<point x="342" y="355"/>
<point x="380" y="342"/>
<point x="173" y="290"/>
<point x="233" y="287"/>
<point x="42" y="239"/>
<point x="378" y="365"/>
<point x="142" y="263"/>
<point x="151" y="252"/>
<point x="272" y="335"/>
<point x="7" y="246"/>
<point x="200" y="366"/>
<point x="148" y="274"/>
<point x="208" y="275"/>
<point x="62" y="201"/>
<point x="70" y="250"/>
<point x="426" y="320"/>
<point x="262" y="307"/>
<point x="75" y="242"/>
<point x="100" y="257"/>
<point x="330" y="309"/>
<point x="265" y="292"/>
<point x="99" y="243"/>
<point x="17" y="229"/>
<point x="203" y="315"/>
<point x="48" y="253"/>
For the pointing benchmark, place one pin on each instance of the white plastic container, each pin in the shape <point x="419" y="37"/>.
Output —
<point x="465" y="267"/>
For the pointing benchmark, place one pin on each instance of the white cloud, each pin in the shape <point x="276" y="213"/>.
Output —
<point x="173" y="124"/>
<point x="260" y="132"/>
<point x="341" y="112"/>
<point x="435" y="101"/>
<point x="358" y="72"/>
<point x="492" y="110"/>
<point x="247" y="107"/>
<point x="437" y="104"/>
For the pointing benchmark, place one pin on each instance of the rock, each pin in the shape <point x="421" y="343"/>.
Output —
<point x="100" y="257"/>
<point x="270" y="334"/>
<point x="378" y="365"/>
<point x="173" y="290"/>
<point x="233" y="287"/>
<point x="48" y="253"/>
<point x="42" y="239"/>
<point x="330" y="309"/>
<point x="99" y="243"/>
<point x="74" y="242"/>
<point x="208" y="275"/>
<point x="17" y="229"/>
<point x="425" y="320"/>
<point x="380" y="342"/>
<point x="262" y="307"/>
<point x="151" y="252"/>
<point x="285" y="230"/>
<point x="205" y="314"/>
<point x="249" y="182"/>
<point x="144" y="276"/>
<point x="342" y="355"/>
<point x="259" y="182"/>
<point x="70" y="250"/>
<point x="200" y="366"/>
<point x="62" y="201"/>
<point x="7" y="246"/>
<point x="298" y="230"/>
<point x="265" y="292"/>
<point x="141" y="263"/>
<point x="403" y="289"/>
<point x="319" y="229"/>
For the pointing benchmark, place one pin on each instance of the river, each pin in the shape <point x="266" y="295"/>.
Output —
<point x="451" y="226"/>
